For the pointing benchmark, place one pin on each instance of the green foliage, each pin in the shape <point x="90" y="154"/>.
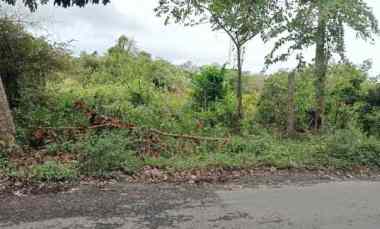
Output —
<point x="3" y="160"/>
<point x="345" y="95"/>
<point x="53" y="171"/>
<point x="248" y="152"/>
<point x="369" y="116"/>
<point x="26" y="62"/>
<point x="59" y="147"/>
<point x="324" y="26"/>
<point x="209" y="87"/>
<point x="255" y="146"/>
<point x="108" y="151"/>
<point x="272" y="104"/>
<point x="321" y="23"/>
<point x="240" y="19"/>
<point x="345" y="98"/>
<point x="347" y="148"/>
<point x="130" y="85"/>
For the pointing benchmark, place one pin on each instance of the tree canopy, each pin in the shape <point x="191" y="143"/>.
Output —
<point x="304" y="19"/>
<point x="241" y="20"/>
<point x="25" y="59"/>
<point x="322" y="23"/>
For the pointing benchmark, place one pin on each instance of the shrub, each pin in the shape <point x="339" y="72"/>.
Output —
<point x="370" y="120"/>
<point x="343" y="92"/>
<point x="272" y="104"/>
<point x="369" y="116"/>
<point x="53" y="171"/>
<point x="209" y="87"/>
<point x="54" y="148"/>
<point x="255" y="145"/>
<point x="3" y="160"/>
<point x="347" y="148"/>
<point x="108" y="151"/>
<point x="222" y="113"/>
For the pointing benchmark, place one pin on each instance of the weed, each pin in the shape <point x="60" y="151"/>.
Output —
<point x="107" y="152"/>
<point x="53" y="171"/>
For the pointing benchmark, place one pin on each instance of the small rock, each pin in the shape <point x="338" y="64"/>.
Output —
<point x="273" y="169"/>
<point x="350" y="176"/>
<point x="19" y="193"/>
<point x="153" y="172"/>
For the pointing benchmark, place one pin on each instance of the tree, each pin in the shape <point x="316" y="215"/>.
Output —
<point x="7" y="127"/>
<point x="321" y="23"/>
<point x="8" y="67"/>
<point x="33" y="4"/>
<point x="290" y="129"/>
<point x="25" y="60"/>
<point x="241" y="20"/>
<point x="124" y="45"/>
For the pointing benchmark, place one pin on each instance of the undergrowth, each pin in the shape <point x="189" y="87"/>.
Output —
<point x="138" y="94"/>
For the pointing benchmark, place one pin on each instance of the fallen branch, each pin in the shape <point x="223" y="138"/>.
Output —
<point x="100" y="121"/>
<point x="190" y="137"/>
<point x="61" y="128"/>
<point x="158" y="132"/>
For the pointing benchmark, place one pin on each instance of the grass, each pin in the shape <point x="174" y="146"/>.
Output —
<point x="102" y="152"/>
<point x="249" y="152"/>
<point x="53" y="171"/>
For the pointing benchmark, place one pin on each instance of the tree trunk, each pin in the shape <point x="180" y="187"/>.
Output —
<point x="7" y="127"/>
<point x="239" y="91"/>
<point x="321" y="61"/>
<point x="291" y="105"/>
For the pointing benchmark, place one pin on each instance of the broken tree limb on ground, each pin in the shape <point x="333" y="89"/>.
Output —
<point x="100" y="121"/>
<point x="190" y="137"/>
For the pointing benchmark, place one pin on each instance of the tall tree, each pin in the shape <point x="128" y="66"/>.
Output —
<point x="290" y="128"/>
<point x="241" y="20"/>
<point x="321" y="23"/>
<point x="291" y="119"/>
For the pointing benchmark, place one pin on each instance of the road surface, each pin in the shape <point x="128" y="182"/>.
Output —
<point x="332" y="205"/>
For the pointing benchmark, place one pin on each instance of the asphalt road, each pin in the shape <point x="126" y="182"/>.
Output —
<point x="333" y="205"/>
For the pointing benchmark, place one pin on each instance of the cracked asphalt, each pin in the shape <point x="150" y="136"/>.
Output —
<point x="313" y="205"/>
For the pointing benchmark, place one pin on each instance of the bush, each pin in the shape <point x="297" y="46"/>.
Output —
<point x="369" y="116"/>
<point x="344" y="91"/>
<point x="272" y="104"/>
<point x="256" y="146"/>
<point x="53" y="171"/>
<point x="108" y="151"/>
<point x="209" y="87"/>
<point x="221" y="115"/>
<point x="370" y="121"/>
<point x="3" y="160"/>
<point x="348" y="148"/>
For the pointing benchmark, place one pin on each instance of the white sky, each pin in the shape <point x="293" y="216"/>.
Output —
<point x="96" y="28"/>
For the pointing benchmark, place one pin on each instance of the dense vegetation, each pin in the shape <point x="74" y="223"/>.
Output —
<point x="124" y="110"/>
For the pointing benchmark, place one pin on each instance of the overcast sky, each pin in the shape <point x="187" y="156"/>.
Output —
<point x="96" y="28"/>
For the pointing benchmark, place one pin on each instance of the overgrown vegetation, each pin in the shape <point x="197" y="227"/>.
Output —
<point x="125" y="111"/>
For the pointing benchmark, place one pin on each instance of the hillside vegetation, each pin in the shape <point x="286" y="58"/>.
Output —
<point x="124" y="111"/>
